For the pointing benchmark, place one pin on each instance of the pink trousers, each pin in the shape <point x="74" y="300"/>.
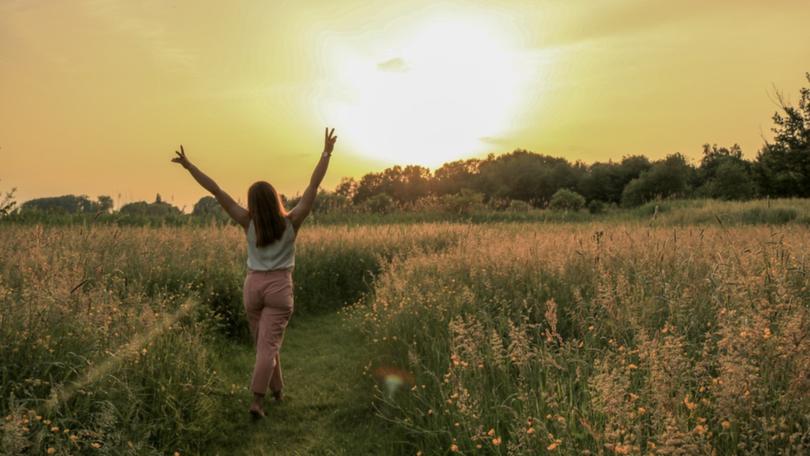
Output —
<point x="268" y="297"/>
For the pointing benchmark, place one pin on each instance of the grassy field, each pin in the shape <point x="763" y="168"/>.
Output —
<point x="686" y="333"/>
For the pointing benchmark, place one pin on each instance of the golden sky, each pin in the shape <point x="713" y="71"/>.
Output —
<point x="96" y="95"/>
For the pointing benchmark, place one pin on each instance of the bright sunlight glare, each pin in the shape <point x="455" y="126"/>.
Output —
<point x="443" y="90"/>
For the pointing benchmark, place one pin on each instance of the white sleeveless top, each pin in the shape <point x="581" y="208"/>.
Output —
<point x="280" y="254"/>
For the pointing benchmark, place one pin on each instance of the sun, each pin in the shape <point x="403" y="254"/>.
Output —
<point x="439" y="91"/>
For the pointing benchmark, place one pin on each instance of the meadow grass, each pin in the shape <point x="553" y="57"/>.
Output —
<point x="513" y="338"/>
<point x="588" y="339"/>
<point x="75" y="298"/>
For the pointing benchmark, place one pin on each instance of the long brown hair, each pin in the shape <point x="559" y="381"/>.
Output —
<point x="267" y="213"/>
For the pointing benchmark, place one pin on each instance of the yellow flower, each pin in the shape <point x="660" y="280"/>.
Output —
<point x="688" y="404"/>
<point x="622" y="449"/>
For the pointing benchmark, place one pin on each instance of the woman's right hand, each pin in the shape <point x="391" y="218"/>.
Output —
<point x="181" y="158"/>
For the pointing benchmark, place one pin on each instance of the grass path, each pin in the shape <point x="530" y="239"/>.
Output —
<point x="327" y="408"/>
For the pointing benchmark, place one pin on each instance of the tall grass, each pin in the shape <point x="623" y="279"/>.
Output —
<point x="98" y="350"/>
<point x="520" y="338"/>
<point x="592" y="339"/>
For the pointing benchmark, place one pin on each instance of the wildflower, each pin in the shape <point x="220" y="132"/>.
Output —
<point x="688" y="404"/>
<point x="491" y="432"/>
<point x="95" y="445"/>
<point x="454" y="448"/>
<point x="496" y="441"/>
<point x="622" y="449"/>
<point x="530" y="431"/>
<point x="725" y="424"/>
<point x="51" y="450"/>
<point x="700" y="429"/>
<point x="55" y="429"/>
<point x="73" y="437"/>
<point x="176" y="453"/>
<point x="632" y="366"/>
<point x="553" y="445"/>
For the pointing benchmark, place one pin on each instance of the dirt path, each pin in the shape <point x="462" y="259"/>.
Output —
<point x="327" y="408"/>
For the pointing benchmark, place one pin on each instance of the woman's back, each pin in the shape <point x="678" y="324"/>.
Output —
<point x="279" y="254"/>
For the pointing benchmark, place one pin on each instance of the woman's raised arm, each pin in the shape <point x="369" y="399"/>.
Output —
<point x="237" y="212"/>
<point x="304" y="207"/>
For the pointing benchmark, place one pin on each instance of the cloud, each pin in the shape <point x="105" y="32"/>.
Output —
<point x="394" y="65"/>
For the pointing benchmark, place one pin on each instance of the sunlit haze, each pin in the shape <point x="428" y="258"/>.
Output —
<point x="95" y="96"/>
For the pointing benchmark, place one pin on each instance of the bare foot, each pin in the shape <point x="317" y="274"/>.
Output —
<point x="256" y="411"/>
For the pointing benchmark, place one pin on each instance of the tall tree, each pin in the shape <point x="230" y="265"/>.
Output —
<point x="783" y="167"/>
<point x="666" y="178"/>
<point x="725" y="174"/>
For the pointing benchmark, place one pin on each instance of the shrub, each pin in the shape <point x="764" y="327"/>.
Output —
<point x="379" y="204"/>
<point x="566" y="200"/>
<point x="518" y="206"/>
<point x="596" y="207"/>
<point x="463" y="202"/>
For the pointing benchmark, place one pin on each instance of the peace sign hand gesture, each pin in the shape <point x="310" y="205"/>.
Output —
<point x="181" y="158"/>
<point x="329" y="139"/>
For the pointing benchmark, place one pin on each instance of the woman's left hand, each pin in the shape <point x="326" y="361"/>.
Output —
<point x="329" y="139"/>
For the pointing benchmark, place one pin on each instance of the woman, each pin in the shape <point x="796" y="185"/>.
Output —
<point x="268" y="289"/>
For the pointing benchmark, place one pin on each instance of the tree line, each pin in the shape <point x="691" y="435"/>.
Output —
<point x="781" y="168"/>
<point x="524" y="179"/>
